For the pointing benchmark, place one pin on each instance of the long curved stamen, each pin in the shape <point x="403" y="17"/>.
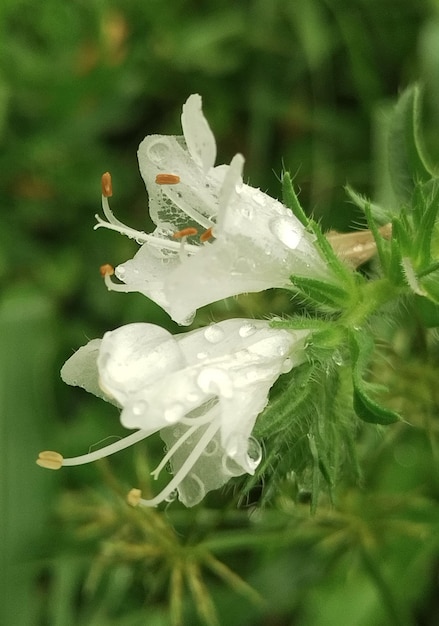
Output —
<point x="47" y="459"/>
<point x="170" y="453"/>
<point x="185" y="468"/>
<point x="141" y="237"/>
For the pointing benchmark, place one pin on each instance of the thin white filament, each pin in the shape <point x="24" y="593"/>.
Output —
<point x="126" y="442"/>
<point x="186" y="467"/>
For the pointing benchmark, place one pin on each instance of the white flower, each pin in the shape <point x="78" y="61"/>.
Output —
<point x="203" y="391"/>
<point x="215" y="236"/>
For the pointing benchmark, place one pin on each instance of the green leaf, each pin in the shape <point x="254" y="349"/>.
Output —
<point x="291" y="200"/>
<point x="367" y="409"/>
<point x="321" y="293"/>
<point x="407" y="161"/>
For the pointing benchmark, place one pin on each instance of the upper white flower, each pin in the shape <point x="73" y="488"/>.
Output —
<point x="203" y="391"/>
<point x="215" y="236"/>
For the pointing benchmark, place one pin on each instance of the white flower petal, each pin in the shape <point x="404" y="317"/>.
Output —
<point x="135" y="356"/>
<point x="197" y="133"/>
<point x="81" y="370"/>
<point x="240" y="240"/>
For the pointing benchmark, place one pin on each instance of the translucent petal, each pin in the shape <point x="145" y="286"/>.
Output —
<point x="197" y="133"/>
<point x="81" y="370"/>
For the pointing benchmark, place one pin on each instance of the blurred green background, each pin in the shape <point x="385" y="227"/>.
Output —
<point x="296" y="84"/>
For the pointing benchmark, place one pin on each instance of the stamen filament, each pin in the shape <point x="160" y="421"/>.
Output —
<point x="126" y="442"/>
<point x="174" y="449"/>
<point x="186" y="467"/>
<point x="187" y="208"/>
<point x="141" y="237"/>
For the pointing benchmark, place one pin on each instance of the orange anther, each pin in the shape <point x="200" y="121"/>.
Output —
<point x="106" y="270"/>
<point x="186" y="232"/>
<point x="206" y="235"/>
<point x="107" y="187"/>
<point x="167" y="179"/>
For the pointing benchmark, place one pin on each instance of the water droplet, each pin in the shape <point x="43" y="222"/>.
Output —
<point x="247" y="330"/>
<point x="213" y="380"/>
<point x="174" y="413"/>
<point x="172" y="496"/>
<point x="287" y="366"/>
<point x="193" y="488"/>
<point x="201" y="355"/>
<point x="285" y="229"/>
<point x="214" y="333"/>
<point x="211" y="448"/>
<point x="139" y="407"/>
<point x="120" y="271"/>
<point x="254" y="453"/>
<point x="158" y="151"/>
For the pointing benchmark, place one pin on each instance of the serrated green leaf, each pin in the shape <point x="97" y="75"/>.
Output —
<point x="407" y="161"/>
<point x="367" y="409"/>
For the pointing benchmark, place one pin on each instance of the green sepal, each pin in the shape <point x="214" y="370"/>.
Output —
<point x="338" y="267"/>
<point x="407" y="161"/>
<point x="290" y="199"/>
<point x="380" y="216"/>
<point x="430" y="286"/>
<point x="427" y="311"/>
<point x="424" y="233"/>
<point x="361" y="345"/>
<point x="394" y="270"/>
<point x="321" y="293"/>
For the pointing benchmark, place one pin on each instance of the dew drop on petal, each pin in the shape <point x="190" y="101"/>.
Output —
<point x="286" y="231"/>
<point x="174" y="413"/>
<point x="213" y="380"/>
<point x="172" y="496"/>
<point x="158" y="151"/>
<point x="254" y="453"/>
<point x="120" y="271"/>
<point x="213" y="333"/>
<point x="139" y="407"/>
<point x="287" y="366"/>
<point x="201" y="355"/>
<point x="247" y="330"/>
<point x="211" y="448"/>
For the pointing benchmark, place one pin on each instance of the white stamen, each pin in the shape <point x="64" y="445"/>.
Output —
<point x="186" y="467"/>
<point x="173" y="449"/>
<point x="126" y="442"/>
<point x="186" y="208"/>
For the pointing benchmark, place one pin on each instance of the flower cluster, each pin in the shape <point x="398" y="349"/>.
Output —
<point x="202" y="390"/>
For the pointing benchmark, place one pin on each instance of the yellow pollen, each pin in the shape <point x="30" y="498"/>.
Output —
<point x="134" y="497"/>
<point x="186" y="232"/>
<point x="167" y="179"/>
<point x="106" y="270"/>
<point x="107" y="187"/>
<point x="50" y="460"/>
<point x="206" y="235"/>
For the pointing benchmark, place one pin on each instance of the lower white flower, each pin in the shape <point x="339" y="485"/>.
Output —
<point x="216" y="236"/>
<point x="203" y="391"/>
